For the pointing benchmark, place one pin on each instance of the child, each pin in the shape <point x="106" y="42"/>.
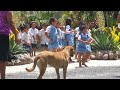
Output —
<point x="51" y="33"/>
<point x="59" y="31"/>
<point x="69" y="34"/>
<point x="84" y="47"/>
<point x="33" y="31"/>
<point x="25" y="39"/>
<point x="43" y="39"/>
<point x="78" y="30"/>
<point x="20" y="28"/>
<point x="63" y="39"/>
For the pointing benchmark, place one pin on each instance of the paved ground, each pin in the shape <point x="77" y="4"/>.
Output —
<point x="98" y="69"/>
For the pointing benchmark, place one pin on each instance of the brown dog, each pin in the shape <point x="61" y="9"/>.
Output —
<point x="55" y="59"/>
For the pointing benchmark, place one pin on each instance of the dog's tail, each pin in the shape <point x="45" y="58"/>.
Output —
<point x="34" y="65"/>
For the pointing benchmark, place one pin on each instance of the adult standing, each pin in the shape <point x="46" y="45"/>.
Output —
<point x="33" y="31"/>
<point x="6" y="25"/>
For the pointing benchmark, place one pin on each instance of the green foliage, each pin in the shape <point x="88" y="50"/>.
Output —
<point x="111" y="18"/>
<point x="16" y="48"/>
<point x="103" y="41"/>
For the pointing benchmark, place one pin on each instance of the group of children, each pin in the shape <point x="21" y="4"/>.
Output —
<point x="28" y="37"/>
<point x="54" y="37"/>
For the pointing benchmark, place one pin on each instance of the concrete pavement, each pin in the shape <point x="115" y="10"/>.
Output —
<point x="97" y="69"/>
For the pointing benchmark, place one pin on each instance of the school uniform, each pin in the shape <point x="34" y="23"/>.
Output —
<point x="59" y="38"/>
<point x="82" y="47"/>
<point x="44" y="40"/>
<point x="33" y="33"/>
<point x="63" y="39"/>
<point x="26" y="37"/>
<point x="77" y="35"/>
<point x="69" y="36"/>
<point x="52" y="32"/>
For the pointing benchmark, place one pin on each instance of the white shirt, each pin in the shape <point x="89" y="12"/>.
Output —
<point x="77" y="29"/>
<point x="63" y="34"/>
<point x="26" y="37"/>
<point x="19" y="35"/>
<point x="33" y="32"/>
<point x="43" y="38"/>
<point x="48" y="29"/>
<point x="68" y="29"/>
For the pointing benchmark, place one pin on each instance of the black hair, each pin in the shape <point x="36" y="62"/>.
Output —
<point x="39" y="27"/>
<point x="20" y="27"/>
<point x="32" y="23"/>
<point x="84" y="27"/>
<point x="68" y="22"/>
<point x="81" y="24"/>
<point x="24" y="26"/>
<point x="52" y="19"/>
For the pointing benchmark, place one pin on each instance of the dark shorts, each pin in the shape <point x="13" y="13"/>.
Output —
<point x="28" y="47"/>
<point x="34" y="45"/>
<point x="44" y="45"/>
<point x="4" y="48"/>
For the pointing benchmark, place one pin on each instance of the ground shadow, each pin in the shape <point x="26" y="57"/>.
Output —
<point x="117" y="77"/>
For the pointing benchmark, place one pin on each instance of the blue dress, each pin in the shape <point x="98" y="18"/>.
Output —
<point x="82" y="47"/>
<point x="53" y="36"/>
<point x="78" y="31"/>
<point x="63" y="39"/>
<point x="59" y="37"/>
<point x="70" y="38"/>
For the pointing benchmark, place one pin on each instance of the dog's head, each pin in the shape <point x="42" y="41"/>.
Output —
<point x="71" y="50"/>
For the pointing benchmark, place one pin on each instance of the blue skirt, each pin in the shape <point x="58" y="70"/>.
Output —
<point x="55" y="44"/>
<point x="84" y="48"/>
<point x="70" y="39"/>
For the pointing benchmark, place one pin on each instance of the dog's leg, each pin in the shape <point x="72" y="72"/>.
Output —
<point x="64" y="72"/>
<point x="42" y="67"/>
<point x="42" y="71"/>
<point x="57" y="72"/>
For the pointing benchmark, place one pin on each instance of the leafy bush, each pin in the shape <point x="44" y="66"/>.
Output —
<point x="104" y="41"/>
<point x="15" y="48"/>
